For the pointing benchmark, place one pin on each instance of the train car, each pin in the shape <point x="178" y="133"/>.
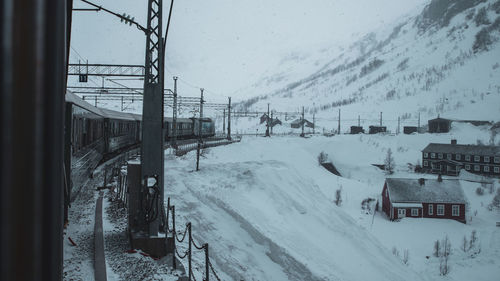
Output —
<point x="207" y="127"/>
<point x="85" y="131"/>
<point x="120" y="130"/>
<point x="184" y="128"/>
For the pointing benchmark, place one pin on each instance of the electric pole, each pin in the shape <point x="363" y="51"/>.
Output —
<point x="229" y="120"/>
<point x="338" y="129"/>
<point x="224" y="121"/>
<point x="267" y="121"/>
<point x="271" y="123"/>
<point x="359" y="121"/>
<point x="199" y="132"/>
<point x="303" y="121"/>
<point x="174" y="115"/>
<point x="399" y="122"/>
<point x="381" y="119"/>
<point x="418" y="128"/>
<point x="314" y="122"/>
<point x="152" y="154"/>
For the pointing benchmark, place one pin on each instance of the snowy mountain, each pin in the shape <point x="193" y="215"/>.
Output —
<point x="443" y="60"/>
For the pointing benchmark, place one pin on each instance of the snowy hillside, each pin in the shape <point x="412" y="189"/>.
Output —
<point x="267" y="210"/>
<point x="445" y="59"/>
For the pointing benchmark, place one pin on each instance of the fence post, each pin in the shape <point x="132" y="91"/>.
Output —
<point x="189" y="250"/>
<point x="207" y="275"/>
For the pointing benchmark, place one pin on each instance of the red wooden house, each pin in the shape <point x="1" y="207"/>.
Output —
<point x="423" y="198"/>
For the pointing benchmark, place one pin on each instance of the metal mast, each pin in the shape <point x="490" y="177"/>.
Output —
<point x="152" y="158"/>
<point x="174" y="115"/>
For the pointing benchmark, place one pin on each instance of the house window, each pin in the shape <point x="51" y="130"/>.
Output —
<point x="497" y="159"/>
<point x="448" y="156"/>
<point x="426" y="155"/>
<point x="433" y="155"/>
<point x="431" y="209"/>
<point x="414" y="212"/>
<point x="477" y="168"/>
<point x="467" y="167"/>
<point x="467" y="157"/>
<point x="497" y="169"/>
<point x="486" y="168"/>
<point x="426" y="164"/>
<point x="458" y="156"/>
<point x="440" y="210"/>
<point x="455" y="210"/>
<point x="486" y="159"/>
<point x="477" y="158"/>
<point x="440" y="155"/>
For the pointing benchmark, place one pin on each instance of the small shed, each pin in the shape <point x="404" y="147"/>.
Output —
<point x="423" y="198"/>
<point x="410" y="129"/>
<point x="357" y="130"/>
<point x="377" y="129"/>
<point x="439" y="125"/>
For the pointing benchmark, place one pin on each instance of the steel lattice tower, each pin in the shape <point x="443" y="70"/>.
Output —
<point x="152" y="148"/>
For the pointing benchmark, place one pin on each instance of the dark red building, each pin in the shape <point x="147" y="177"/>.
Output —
<point x="423" y="198"/>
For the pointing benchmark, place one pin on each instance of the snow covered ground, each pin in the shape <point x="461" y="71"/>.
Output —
<point x="266" y="209"/>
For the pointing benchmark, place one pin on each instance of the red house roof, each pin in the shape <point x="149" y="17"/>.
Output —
<point x="402" y="190"/>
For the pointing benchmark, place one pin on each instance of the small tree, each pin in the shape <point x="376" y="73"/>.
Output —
<point x="465" y="244"/>
<point x="338" y="197"/>
<point x="437" y="248"/>
<point x="406" y="256"/>
<point x="495" y="203"/>
<point x="389" y="163"/>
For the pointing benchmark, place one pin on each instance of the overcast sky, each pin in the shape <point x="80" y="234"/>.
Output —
<point x="226" y="45"/>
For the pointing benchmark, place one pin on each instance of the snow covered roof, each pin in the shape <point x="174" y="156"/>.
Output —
<point x="403" y="190"/>
<point x="462" y="149"/>
<point x="76" y="100"/>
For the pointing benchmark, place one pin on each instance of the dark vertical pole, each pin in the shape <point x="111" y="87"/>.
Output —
<point x="338" y="129"/>
<point x="174" y="232"/>
<point x="189" y="250"/>
<point x="359" y="121"/>
<point x="271" y="123"/>
<point x="95" y="103"/>
<point x="174" y="115"/>
<point x="418" y="128"/>
<point x="122" y="104"/>
<point x="152" y="150"/>
<point x="199" y="132"/>
<point x="229" y="120"/>
<point x="33" y="39"/>
<point x="303" y="121"/>
<point x="314" y="122"/>
<point x="399" y="122"/>
<point x="267" y="121"/>
<point x="207" y="260"/>
<point x="381" y="118"/>
<point x="224" y="121"/>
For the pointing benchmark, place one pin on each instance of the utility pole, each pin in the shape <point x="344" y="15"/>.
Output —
<point x="399" y="122"/>
<point x="267" y="121"/>
<point x="338" y="129"/>
<point x="303" y="121"/>
<point x="122" y="104"/>
<point x="152" y="154"/>
<point x="418" y="128"/>
<point x="229" y="120"/>
<point x="381" y="119"/>
<point x="224" y="121"/>
<point x="359" y="121"/>
<point x="174" y="113"/>
<point x="95" y="103"/>
<point x="271" y="123"/>
<point x="199" y="132"/>
<point x="314" y="122"/>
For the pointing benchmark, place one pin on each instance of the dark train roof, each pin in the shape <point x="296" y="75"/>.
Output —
<point x="76" y="100"/>
<point x="112" y="114"/>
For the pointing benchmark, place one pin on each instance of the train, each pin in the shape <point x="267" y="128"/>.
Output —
<point x="94" y="134"/>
